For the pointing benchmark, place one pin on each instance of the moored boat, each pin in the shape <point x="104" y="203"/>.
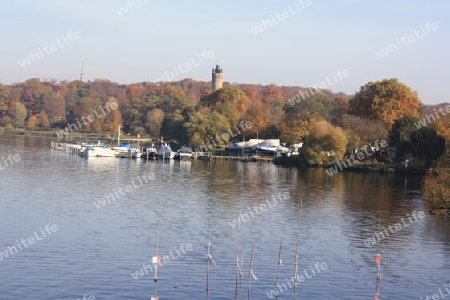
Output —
<point x="184" y="153"/>
<point x="97" y="151"/>
<point x="165" y="151"/>
<point x="149" y="152"/>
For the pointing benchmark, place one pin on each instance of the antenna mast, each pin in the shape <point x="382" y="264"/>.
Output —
<point x="82" y="74"/>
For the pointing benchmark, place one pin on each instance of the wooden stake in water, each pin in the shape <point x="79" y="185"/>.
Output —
<point x="296" y="247"/>
<point x="280" y="263"/>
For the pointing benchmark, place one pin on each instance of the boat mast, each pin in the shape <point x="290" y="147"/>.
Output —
<point x="118" y="138"/>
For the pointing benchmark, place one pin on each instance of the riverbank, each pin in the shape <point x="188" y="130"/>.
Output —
<point x="381" y="168"/>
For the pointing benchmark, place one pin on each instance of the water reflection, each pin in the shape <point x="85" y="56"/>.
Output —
<point x="97" y="250"/>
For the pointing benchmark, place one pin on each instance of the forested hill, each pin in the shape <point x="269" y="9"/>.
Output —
<point x="53" y="103"/>
<point x="188" y="111"/>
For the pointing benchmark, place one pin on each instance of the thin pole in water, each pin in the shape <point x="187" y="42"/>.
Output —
<point x="378" y="258"/>
<point x="237" y="256"/>
<point x="250" y="273"/>
<point x="156" y="260"/>
<point x="296" y="247"/>
<point x="242" y="259"/>
<point x="209" y="257"/>
<point x="280" y="263"/>
<point x="378" y="261"/>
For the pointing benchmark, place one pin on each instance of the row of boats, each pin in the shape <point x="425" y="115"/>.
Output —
<point x="249" y="150"/>
<point x="125" y="151"/>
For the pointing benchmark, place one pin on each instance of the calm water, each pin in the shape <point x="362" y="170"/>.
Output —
<point x="95" y="251"/>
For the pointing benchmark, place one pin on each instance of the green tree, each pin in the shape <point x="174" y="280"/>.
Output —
<point x="400" y="135"/>
<point x="426" y="144"/>
<point x="173" y="126"/>
<point x="207" y="127"/>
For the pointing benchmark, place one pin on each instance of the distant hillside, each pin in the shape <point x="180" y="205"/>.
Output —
<point x="429" y="109"/>
<point x="198" y="89"/>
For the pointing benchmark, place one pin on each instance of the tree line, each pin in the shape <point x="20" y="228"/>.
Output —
<point x="188" y="112"/>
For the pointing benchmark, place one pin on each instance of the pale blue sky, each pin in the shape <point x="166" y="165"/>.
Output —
<point x="303" y="49"/>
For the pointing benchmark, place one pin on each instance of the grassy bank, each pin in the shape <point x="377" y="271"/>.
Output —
<point x="381" y="168"/>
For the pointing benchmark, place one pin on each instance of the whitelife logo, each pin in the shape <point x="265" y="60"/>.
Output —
<point x="31" y="240"/>
<point x="391" y="48"/>
<point x="35" y="56"/>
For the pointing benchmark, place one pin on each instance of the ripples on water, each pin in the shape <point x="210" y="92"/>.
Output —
<point x="95" y="251"/>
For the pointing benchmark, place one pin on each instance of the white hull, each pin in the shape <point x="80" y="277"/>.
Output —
<point x="166" y="152"/>
<point x="98" y="151"/>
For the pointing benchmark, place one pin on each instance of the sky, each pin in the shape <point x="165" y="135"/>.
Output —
<point x="300" y="43"/>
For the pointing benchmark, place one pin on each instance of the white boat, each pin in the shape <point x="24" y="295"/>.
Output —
<point x="149" y="152"/>
<point x="271" y="146"/>
<point x="97" y="151"/>
<point x="165" y="151"/>
<point x="184" y="153"/>
<point x="132" y="153"/>
<point x="121" y="149"/>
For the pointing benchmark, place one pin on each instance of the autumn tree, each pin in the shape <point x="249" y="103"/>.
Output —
<point x="258" y="117"/>
<point x="230" y="102"/>
<point x="299" y="118"/>
<point x="436" y="187"/>
<point x="31" y="122"/>
<point x="113" y="119"/>
<point x="132" y="113"/>
<point x="55" y="107"/>
<point x="42" y="120"/>
<point x="386" y="100"/>
<point x="155" y="119"/>
<point x="4" y="99"/>
<point x="271" y="93"/>
<point x="252" y="93"/>
<point x="85" y="108"/>
<point x="442" y="126"/>
<point x="362" y="131"/>
<point x="325" y="144"/>
<point x="20" y="113"/>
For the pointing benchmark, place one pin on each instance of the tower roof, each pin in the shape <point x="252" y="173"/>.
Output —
<point x="217" y="69"/>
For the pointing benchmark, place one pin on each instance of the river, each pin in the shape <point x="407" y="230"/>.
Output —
<point x="74" y="246"/>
